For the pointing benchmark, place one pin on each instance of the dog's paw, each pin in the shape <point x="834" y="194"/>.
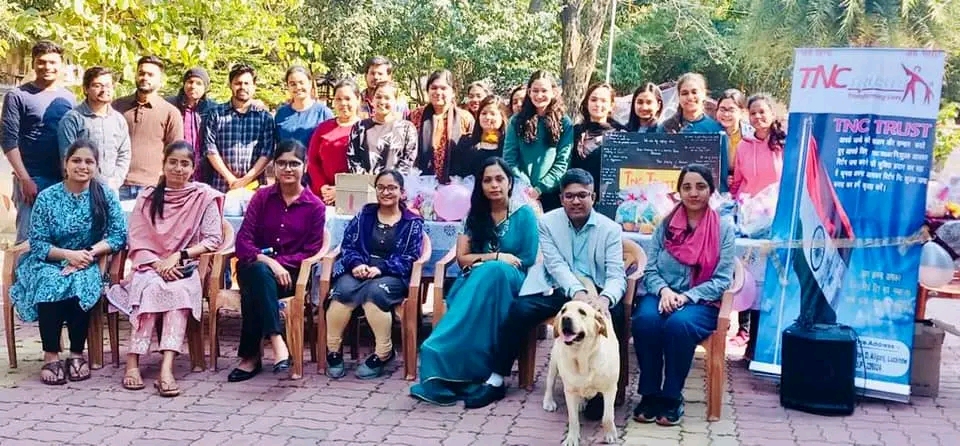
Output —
<point x="570" y="440"/>
<point x="549" y="405"/>
<point x="611" y="437"/>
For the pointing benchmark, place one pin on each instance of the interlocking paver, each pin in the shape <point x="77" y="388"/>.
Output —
<point x="317" y="410"/>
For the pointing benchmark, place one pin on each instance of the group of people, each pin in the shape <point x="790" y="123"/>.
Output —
<point x="177" y="157"/>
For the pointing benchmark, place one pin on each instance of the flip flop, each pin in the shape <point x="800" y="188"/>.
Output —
<point x="74" y="367"/>
<point x="56" y="368"/>
<point x="166" y="389"/>
<point x="127" y="377"/>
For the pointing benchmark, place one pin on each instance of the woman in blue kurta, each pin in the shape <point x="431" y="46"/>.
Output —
<point x="58" y="281"/>
<point x="691" y="117"/>
<point x="499" y="243"/>
<point x="298" y="118"/>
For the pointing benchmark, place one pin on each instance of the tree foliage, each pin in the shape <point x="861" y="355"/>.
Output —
<point x="183" y="33"/>
<point x="501" y="42"/>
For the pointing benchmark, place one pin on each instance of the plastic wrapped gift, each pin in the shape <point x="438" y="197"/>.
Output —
<point x="938" y="199"/>
<point x="420" y="194"/>
<point x="756" y="212"/>
<point x="643" y="207"/>
<point x="235" y="202"/>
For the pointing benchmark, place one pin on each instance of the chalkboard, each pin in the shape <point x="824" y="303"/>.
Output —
<point x="629" y="159"/>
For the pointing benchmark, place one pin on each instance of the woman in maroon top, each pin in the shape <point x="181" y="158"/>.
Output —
<point x="283" y="226"/>
<point x="327" y="155"/>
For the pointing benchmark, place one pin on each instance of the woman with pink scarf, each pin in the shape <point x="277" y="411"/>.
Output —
<point x="690" y="265"/>
<point x="171" y="225"/>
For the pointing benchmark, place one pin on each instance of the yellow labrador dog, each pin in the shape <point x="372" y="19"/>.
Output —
<point x="586" y="356"/>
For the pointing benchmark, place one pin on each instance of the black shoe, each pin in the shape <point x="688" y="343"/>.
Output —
<point x="671" y="412"/>
<point x="647" y="410"/>
<point x="486" y="396"/>
<point x="238" y="375"/>
<point x="336" y="369"/>
<point x="594" y="409"/>
<point x="282" y="366"/>
<point x="373" y="366"/>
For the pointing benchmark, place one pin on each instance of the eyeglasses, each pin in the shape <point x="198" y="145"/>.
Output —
<point x="570" y="196"/>
<point x="287" y="164"/>
<point x="387" y="188"/>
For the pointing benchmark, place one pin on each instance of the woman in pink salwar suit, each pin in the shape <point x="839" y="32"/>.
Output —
<point x="171" y="225"/>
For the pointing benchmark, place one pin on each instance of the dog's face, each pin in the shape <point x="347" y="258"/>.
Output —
<point x="577" y="321"/>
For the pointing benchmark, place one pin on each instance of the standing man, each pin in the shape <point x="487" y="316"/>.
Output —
<point x="153" y="123"/>
<point x="96" y="120"/>
<point x="239" y="138"/>
<point x="379" y="69"/>
<point x="31" y="114"/>
<point x="583" y="258"/>
<point x="193" y="104"/>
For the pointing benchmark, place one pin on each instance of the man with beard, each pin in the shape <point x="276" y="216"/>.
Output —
<point x="95" y="120"/>
<point x="29" y="120"/>
<point x="239" y="137"/>
<point x="153" y="123"/>
<point x="193" y="104"/>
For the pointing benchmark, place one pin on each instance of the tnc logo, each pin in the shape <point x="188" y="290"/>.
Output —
<point x="820" y="76"/>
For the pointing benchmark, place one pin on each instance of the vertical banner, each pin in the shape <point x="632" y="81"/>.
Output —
<point x="857" y="159"/>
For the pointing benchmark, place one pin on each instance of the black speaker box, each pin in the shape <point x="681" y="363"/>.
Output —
<point x="818" y="369"/>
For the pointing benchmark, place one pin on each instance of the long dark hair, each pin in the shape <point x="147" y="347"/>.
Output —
<point x="584" y="104"/>
<point x="479" y="223"/>
<point x="778" y="136"/>
<point x="157" y="197"/>
<point x="633" y="123"/>
<point x="676" y="122"/>
<point x="398" y="177"/>
<point x="98" y="199"/>
<point x="527" y="119"/>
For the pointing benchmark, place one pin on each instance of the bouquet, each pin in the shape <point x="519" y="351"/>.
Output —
<point x="756" y="212"/>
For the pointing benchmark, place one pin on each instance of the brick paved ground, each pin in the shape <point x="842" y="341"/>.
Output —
<point x="315" y="410"/>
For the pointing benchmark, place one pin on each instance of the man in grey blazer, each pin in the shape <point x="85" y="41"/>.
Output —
<point x="582" y="260"/>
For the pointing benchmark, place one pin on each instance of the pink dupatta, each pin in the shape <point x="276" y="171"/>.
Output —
<point x="699" y="249"/>
<point x="182" y="215"/>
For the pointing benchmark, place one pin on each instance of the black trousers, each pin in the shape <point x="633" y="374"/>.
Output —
<point x="526" y="313"/>
<point x="260" y="296"/>
<point x="52" y="316"/>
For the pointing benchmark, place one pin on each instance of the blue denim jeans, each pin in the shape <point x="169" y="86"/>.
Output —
<point x="666" y="343"/>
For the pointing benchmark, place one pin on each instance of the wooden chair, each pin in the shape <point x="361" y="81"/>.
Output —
<point x="408" y="312"/>
<point x="11" y="258"/>
<point x="291" y="308"/>
<point x="716" y="346"/>
<point x="194" y="327"/>
<point x="948" y="291"/>
<point x="526" y="363"/>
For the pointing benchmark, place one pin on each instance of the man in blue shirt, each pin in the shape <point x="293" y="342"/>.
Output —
<point x="239" y="137"/>
<point x="30" y="118"/>
<point x="582" y="260"/>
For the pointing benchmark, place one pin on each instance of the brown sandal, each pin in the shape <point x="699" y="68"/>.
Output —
<point x="167" y="389"/>
<point x="75" y="369"/>
<point x="59" y="376"/>
<point x="129" y="381"/>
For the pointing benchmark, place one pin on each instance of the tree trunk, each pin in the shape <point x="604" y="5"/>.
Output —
<point x="582" y="24"/>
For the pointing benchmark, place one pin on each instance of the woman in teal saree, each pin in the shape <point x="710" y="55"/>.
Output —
<point x="498" y="245"/>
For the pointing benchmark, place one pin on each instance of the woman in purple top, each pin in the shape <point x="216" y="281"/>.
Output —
<point x="283" y="226"/>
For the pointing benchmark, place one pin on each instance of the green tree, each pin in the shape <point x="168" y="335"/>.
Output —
<point x="184" y="33"/>
<point x="775" y="27"/>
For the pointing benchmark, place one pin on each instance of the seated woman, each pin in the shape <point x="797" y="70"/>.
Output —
<point x="74" y="223"/>
<point x="498" y="245"/>
<point x="172" y="223"/>
<point x="376" y="257"/>
<point x="383" y="141"/>
<point x="283" y="226"/>
<point x="690" y="265"/>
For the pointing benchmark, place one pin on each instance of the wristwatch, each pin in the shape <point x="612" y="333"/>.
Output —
<point x="184" y="256"/>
